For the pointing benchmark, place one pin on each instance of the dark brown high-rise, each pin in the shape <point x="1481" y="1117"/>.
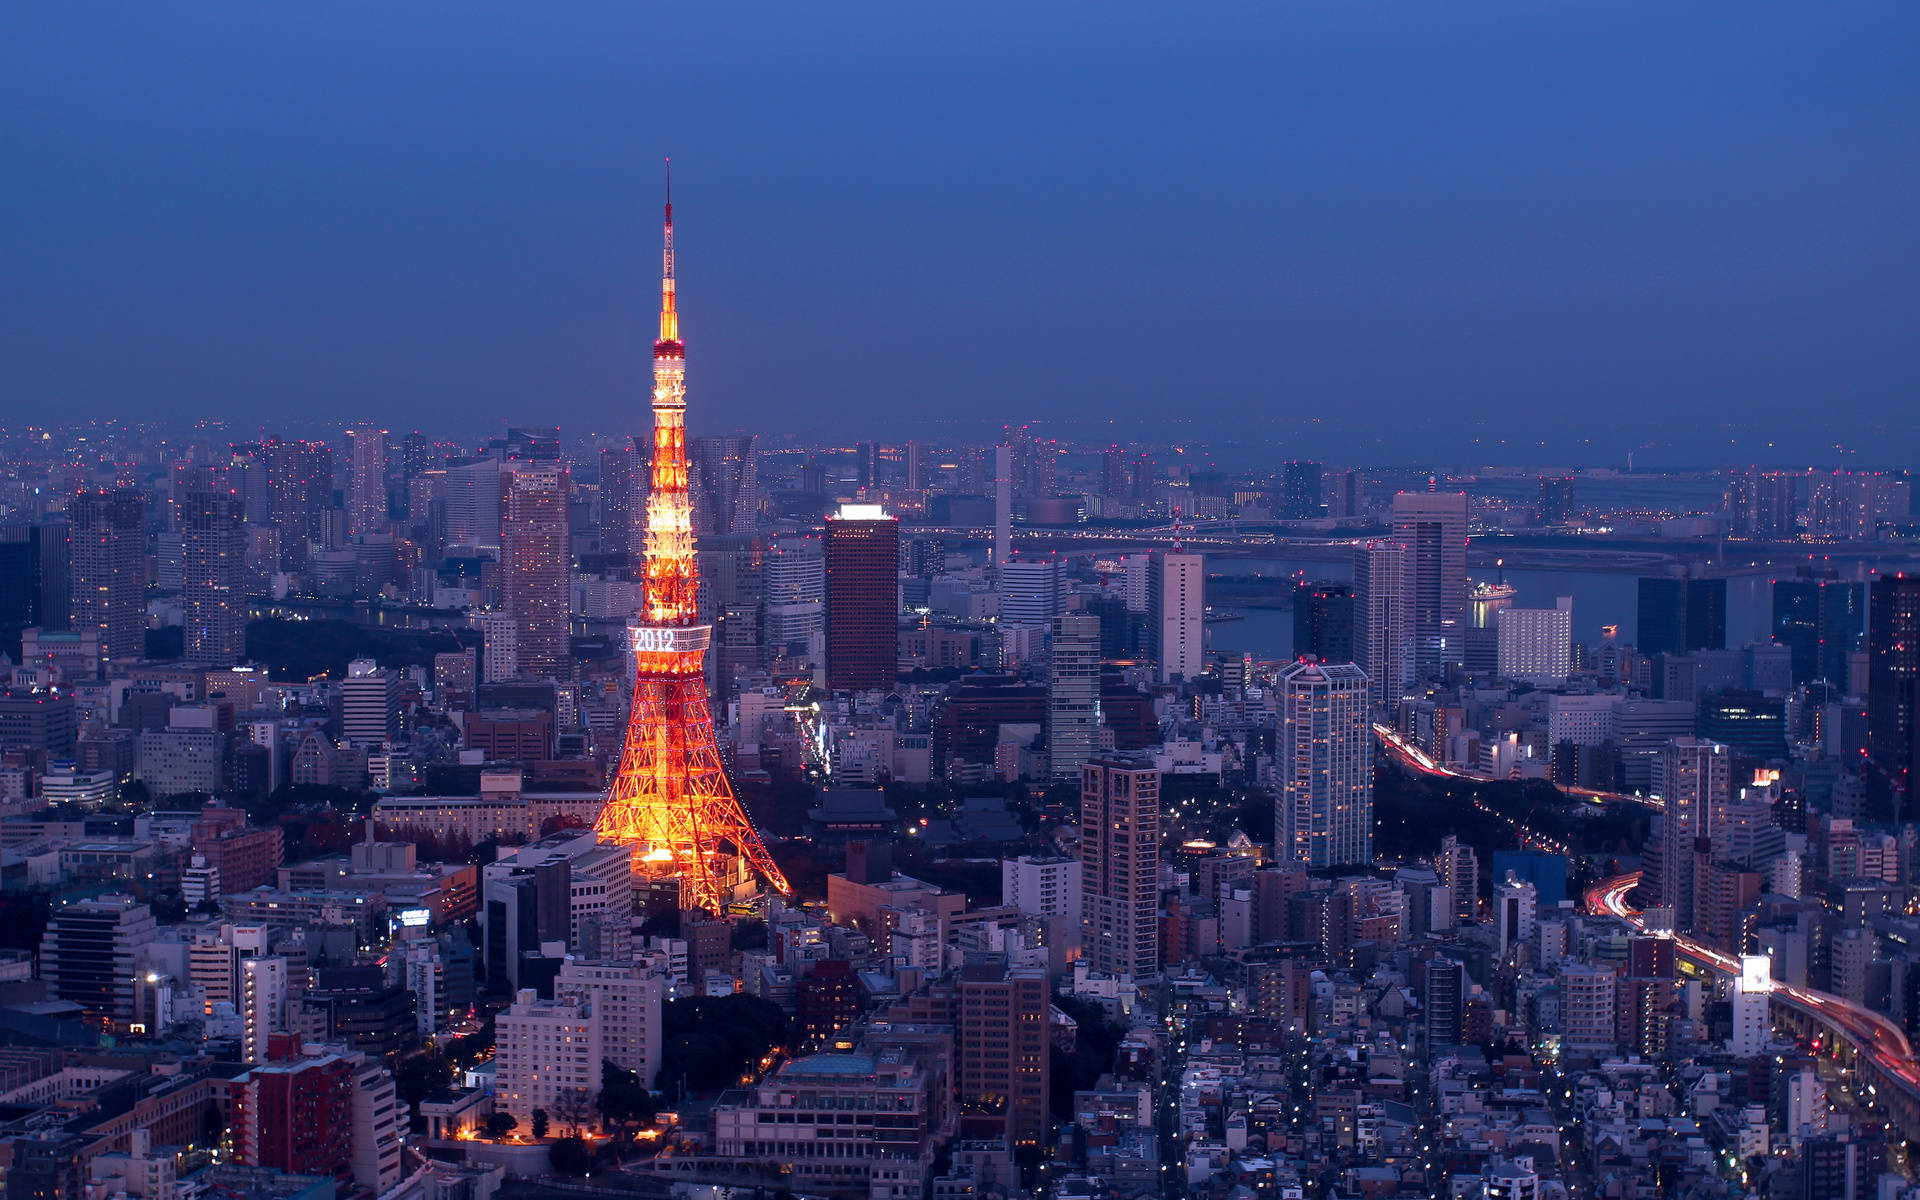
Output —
<point x="107" y="557"/>
<point x="1893" y="687"/>
<point x="863" y="588"/>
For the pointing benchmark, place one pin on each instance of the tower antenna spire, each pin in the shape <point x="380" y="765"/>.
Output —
<point x="669" y="314"/>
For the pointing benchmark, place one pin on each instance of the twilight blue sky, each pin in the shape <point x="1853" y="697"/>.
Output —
<point x="1366" y="231"/>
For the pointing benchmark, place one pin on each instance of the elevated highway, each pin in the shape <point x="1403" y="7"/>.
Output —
<point x="1866" y="1041"/>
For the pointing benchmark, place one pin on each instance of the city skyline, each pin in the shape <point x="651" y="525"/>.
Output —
<point x="1629" y="220"/>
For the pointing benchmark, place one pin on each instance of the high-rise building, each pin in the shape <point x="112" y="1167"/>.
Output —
<point x="1556" y="499"/>
<point x="1893" y="686"/>
<point x="1693" y="777"/>
<point x="473" y="501"/>
<point x="1176" y="614"/>
<point x="1119" y="866"/>
<point x="1433" y="528"/>
<point x="549" y="1054"/>
<point x="1821" y="622"/>
<point x="1300" y="491"/>
<point x="1516" y="908"/>
<point x="1588" y="1022"/>
<point x="1752" y="988"/>
<point x="1001" y="1025"/>
<point x="370" y="705"/>
<point x="796" y="582"/>
<point x="213" y="547"/>
<point x="87" y="955"/>
<point x="293" y="1114"/>
<point x="862" y="553"/>
<point x="1762" y="505"/>
<point x="1324" y="753"/>
<point x="1323" y="622"/>
<point x="1679" y="616"/>
<point x="623" y="500"/>
<point x="262" y="1003"/>
<point x="1536" y="644"/>
<point x="1382" y="623"/>
<point x="1459" y="869"/>
<point x="1030" y="592"/>
<point x="1073" y="693"/>
<point x="299" y="492"/>
<point x="366" y="480"/>
<point x="106" y="565"/>
<point x="627" y="1000"/>
<point x="535" y="557"/>
<point x="723" y="483"/>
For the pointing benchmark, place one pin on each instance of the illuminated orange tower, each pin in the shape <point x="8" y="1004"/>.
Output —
<point x="671" y="793"/>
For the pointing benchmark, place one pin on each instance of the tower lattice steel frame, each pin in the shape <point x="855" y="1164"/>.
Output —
<point x="671" y="792"/>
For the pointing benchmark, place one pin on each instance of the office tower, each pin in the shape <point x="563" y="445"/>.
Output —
<point x="107" y="569"/>
<point x="1323" y="622"/>
<point x="623" y="500"/>
<point x="473" y="504"/>
<point x="1556" y="499"/>
<point x="366" y="480"/>
<point x="1459" y="869"/>
<point x="671" y="803"/>
<point x="36" y="576"/>
<point x="1821" y="622"/>
<point x="1300" y="491"/>
<point x="1030" y="592"/>
<point x="370" y="705"/>
<point x="919" y="476"/>
<point x="1324" y="811"/>
<point x="1693" y="778"/>
<point x="87" y="955"/>
<point x="1516" y="906"/>
<point x="1678" y="616"/>
<point x="535" y="559"/>
<point x="213" y="548"/>
<point x="723" y="484"/>
<point x="866" y="465"/>
<point x="1002" y="505"/>
<point x="1176" y="614"/>
<point x="1536" y="644"/>
<point x="862" y="553"/>
<point x="1073" y="693"/>
<point x="1382" y="621"/>
<point x="299" y="492"/>
<point x="1001" y="1026"/>
<point x="1893" y="685"/>
<point x="796" y="575"/>
<point x="1433" y="528"/>
<point x="1119" y="866"/>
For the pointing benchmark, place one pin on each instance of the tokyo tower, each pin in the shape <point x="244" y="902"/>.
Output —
<point x="671" y="794"/>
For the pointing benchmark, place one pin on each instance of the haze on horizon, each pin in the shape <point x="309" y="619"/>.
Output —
<point x="1487" y="232"/>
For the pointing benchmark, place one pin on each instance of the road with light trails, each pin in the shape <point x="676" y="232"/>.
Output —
<point x="1872" y="1034"/>
<point x="1415" y="759"/>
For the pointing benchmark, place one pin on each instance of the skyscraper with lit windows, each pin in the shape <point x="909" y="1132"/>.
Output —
<point x="534" y="562"/>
